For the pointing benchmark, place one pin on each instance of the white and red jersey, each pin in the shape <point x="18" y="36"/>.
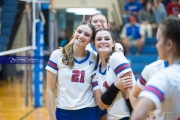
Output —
<point x="117" y="66"/>
<point x="90" y="47"/>
<point x="163" y="89"/>
<point x="149" y="71"/>
<point x="74" y="85"/>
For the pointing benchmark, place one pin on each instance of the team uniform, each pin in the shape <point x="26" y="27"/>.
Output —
<point x="90" y="47"/>
<point x="149" y="71"/>
<point x="74" y="85"/>
<point x="163" y="90"/>
<point x="116" y="67"/>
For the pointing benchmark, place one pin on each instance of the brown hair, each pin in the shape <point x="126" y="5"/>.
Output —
<point x="170" y="28"/>
<point x="67" y="51"/>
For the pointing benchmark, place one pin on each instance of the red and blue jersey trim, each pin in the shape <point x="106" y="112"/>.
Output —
<point x="156" y="91"/>
<point x="121" y="67"/>
<point x="52" y="65"/>
<point x="94" y="84"/>
<point x="142" y="80"/>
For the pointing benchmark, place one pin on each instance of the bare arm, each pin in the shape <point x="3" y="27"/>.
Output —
<point x="120" y="83"/>
<point x="142" y="109"/>
<point x="27" y="6"/>
<point x="97" y="94"/>
<point x="127" y="90"/>
<point x="53" y="6"/>
<point x="134" y="95"/>
<point x="50" y="94"/>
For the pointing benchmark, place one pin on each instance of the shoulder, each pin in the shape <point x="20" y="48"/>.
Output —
<point x="127" y="4"/>
<point x="136" y="2"/>
<point x="119" y="48"/>
<point x="118" y="45"/>
<point x="156" y="65"/>
<point x="117" y="56"/>
<point x="127" y="25"/>
<point x="163" y="74"/>
<point x="57" y="52"/>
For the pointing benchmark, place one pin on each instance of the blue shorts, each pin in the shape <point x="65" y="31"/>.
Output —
<point x="125" y="118"/>
<point x="102" y="112"/>
<point x="81" y="114"/>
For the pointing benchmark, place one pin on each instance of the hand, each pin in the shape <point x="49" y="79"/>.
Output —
<point x="124" y="82"/>
<point x="25" y="11"/>
<point x="53" y="11"/>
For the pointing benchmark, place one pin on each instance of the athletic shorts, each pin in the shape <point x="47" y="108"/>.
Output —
<point x="102" y="112"/>
<point x="81" y="114"/>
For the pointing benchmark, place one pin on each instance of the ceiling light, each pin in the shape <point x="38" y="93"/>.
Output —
<point x="83" y="11"/>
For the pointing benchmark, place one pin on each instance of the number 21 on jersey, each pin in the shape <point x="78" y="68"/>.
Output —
<point x="78" y="76"/>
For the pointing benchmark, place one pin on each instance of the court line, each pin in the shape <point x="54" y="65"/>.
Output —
<point x="27" y="114"/>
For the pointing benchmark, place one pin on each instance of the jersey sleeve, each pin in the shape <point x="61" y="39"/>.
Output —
<point x="142" y="80"/>
<point x="156" y="89"/>
<point x="119" y="64"/>
<point x="52" y="64"/>
<point x="94" y="83"/>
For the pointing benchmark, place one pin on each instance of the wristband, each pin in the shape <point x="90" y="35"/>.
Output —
<point x="108" y="97"/>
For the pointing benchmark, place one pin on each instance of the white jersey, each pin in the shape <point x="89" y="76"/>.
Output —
<point x="163" y="90"/>
<point x="90" y="47"/>
<point x="74" y="85"/>
<point x="149" y="71"/>
<point x="116" y="67"/>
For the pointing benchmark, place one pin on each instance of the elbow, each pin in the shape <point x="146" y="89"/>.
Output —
<point x="102" y="107"/>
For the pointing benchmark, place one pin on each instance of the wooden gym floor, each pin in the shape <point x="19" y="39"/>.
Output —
<point x="12" y="103"/>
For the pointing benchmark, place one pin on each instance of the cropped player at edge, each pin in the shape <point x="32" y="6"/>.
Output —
<point x="146" y="74"/>
<point x="162" y="90"/>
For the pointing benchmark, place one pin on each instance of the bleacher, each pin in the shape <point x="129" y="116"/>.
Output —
<point x="147" y="56"/>
<point x="9" y="8"/>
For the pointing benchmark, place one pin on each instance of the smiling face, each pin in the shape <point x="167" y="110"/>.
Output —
<point x="104" y="42"/>
<point x="82" y="35"/>
<point x="97" y="21"/>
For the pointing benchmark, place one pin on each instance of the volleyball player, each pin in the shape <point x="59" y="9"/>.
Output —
<point x="109" y="91"/>
<point x="146" y="74"/>
<point x="162" y="90"/>
<point x="72" y="66"/>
